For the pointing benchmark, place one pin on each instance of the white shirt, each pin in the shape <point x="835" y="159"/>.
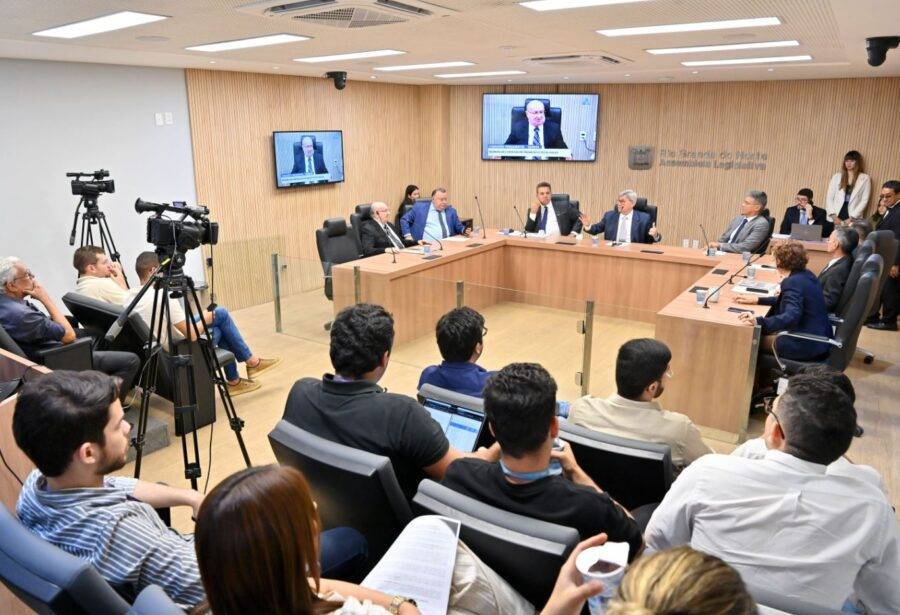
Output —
<point x="145" y="309"/>
<point x="787" y="525"/>
<point x="623" y="230"/>
<point x="552" y="222"/>
<point x="102" y="289"/>
<point x="540" y="130"/>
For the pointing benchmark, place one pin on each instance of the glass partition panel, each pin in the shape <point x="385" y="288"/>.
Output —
<point x="613" y="325"/>
<point x="302" y="308"/>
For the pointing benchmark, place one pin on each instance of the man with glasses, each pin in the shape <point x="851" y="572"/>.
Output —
<point x="890" y="221"/>
<point x="378" y="235"/>
<point x="460" y="338"/>
<point x="642" y="369"/>
<point x="35" y="331"/>
<point x="784" y="522"/>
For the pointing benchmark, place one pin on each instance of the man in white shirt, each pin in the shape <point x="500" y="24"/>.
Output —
<point x="642" y="367"/>
<point x="544" y="216"/>
<point x="624" y="224"/>
<point x="748" y="231"/>
<point x="784" y="522"/>
<point x="99" y="277"/>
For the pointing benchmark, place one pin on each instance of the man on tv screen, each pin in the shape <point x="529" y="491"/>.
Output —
<point x="308" y="160"/>
<point x="536" y="130"/>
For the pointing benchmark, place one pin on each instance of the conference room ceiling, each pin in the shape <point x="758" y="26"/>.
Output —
<point x="494" y="35"/>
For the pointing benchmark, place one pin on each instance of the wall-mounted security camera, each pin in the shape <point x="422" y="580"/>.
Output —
<point x="878" y="46"/>
<point x="339" y="77"/>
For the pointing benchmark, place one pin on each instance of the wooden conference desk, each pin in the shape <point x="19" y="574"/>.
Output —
<point x="714" y="356"/>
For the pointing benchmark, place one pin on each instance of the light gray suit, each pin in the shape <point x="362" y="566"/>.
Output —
<point x="751" y="237"/>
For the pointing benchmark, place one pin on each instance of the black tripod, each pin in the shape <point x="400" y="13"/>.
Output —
<point x="169" y="279"/>
<point x="91" y="217"/>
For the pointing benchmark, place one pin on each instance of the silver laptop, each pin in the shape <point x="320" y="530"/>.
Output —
<point x="460" y="416"/>
<point x="806" y="232"/>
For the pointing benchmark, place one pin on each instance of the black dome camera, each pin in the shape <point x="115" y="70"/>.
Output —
<point x="878" y="46"/>
<point x="339" y="77"/>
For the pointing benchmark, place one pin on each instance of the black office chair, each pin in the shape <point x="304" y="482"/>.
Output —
<point x="49" y="580"/>
<point x="787" y="604"/>
<point x="352" y="487"/>
<point x="647" y="208"/>
<point x="153" y="600"/>
<point x="764" y="247"/>
<point x="335" y="246"/>
<point x="885" y="244"/>
<point x="77" y="356"/>
<point x="632" y="472"/>
<point x="552" y="114"/>
<point x="860" y="256"/>
<point x="560" y="201"/>
<point x="361" y="214"/>
<point x="526" y="552"/>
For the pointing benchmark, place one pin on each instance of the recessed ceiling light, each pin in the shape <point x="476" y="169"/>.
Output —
<point x="730" y="47"/>
<point x="627" y="74"/>
<point x="495" y="73"/>
<point x="556" y="5"/>
<point x="694" y="72"/>
<point x="452" y="64"/>
<point x="770" y="69"/>
<point x="732" y="61"/>
<point x="107" y="23"/>
<point x="246" y="43"/>
<point x="352" y="56"/>
<point x="565" y="78"/>
<point x="212" y="61"/>
<point x="276" y="68"/>
<point x="693" y="27"/>
<point x="373" y="77"/>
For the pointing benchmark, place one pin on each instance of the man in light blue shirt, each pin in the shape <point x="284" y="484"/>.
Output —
<point x="432" y="221"/>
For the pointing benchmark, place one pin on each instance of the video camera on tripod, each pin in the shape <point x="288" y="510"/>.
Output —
<point x="90" y="190"/>
<point x="173" y="238"/>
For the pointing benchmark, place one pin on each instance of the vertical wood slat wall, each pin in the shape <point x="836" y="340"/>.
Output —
<point x="431" y="135"/>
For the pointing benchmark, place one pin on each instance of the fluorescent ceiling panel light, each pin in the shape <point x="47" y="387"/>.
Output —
<point x="352" y="56"/>
<point x="495" y="73"/>
<point x="246" y="43"/>
<point x="693" y="27"/>
<point x="107" y="23"/>
<point x="421" y="66"/>
<point x="748" y="61"/>
<point x="734" y="47"/>
<point x="556" y="5"/>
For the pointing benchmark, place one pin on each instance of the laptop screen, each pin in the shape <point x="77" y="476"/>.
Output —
<point x="461" y="425"/>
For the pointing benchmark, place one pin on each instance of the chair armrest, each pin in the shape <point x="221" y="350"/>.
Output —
<point x="810" y="337"/>
<point x="77" y="356"/>
<point x="834" y="319"/>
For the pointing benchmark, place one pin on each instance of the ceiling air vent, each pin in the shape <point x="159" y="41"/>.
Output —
<point x="349" y="13"/>
<point x="585" y="60"/>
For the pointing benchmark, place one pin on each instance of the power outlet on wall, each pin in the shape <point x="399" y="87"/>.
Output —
<point x="159" y="119"/>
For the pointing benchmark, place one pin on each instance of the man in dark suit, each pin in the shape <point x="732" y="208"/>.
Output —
<point x="833" y="277"/>
<point x="624" y="224"/>
<point x="803" y="211"/>
<point x="545" y="216"/>
<point x="536" y="130"/>
<point x="308" y="160"/>
<point x="378" y="235"/>
<point x="890" y="197"/>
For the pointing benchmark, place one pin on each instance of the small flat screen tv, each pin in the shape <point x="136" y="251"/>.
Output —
<point x="308" y="157"/>
<point x="540" y="127"/>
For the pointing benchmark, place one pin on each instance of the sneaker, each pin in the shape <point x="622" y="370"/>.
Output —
<point x="243" y="386"/>
<point x="263" y="365"/>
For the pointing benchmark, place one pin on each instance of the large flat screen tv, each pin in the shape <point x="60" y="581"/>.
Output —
<point x="308" y="157"/>
<point x="539" y="127"/>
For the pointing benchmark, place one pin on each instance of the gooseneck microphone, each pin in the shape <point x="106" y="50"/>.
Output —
<point x="439" y="242"/>
<point x="481" y="215"/>
<point x="521" y="221"/>
<point x="730" y="279"/>
<point x="705" y="238"/>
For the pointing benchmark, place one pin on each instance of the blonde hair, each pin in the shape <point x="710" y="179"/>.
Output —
<point x="681" y="581"/>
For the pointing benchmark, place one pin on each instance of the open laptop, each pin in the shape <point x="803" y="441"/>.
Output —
<point x="460" y="416"/>
<point x="806" y="232"/>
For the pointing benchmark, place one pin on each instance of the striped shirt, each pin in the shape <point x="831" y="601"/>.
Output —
<point x="123" y="538"/>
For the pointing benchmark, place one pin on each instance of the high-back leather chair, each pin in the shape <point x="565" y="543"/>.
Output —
<point x="553" y="114"/>
<point x="764" y="246"/>
<point x="647" y="208"/>
<point x="335" y="246"/>
<point x="361" y="214"/>
<point x="153" y="600"/>
<point x="862" y="254"/>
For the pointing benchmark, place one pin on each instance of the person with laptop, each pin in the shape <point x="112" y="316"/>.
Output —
<point x="460" y="338"/>
<point x="841" y="244"/>
<point x="350" y="408"/>
<point x="805" y="212"/>
<point x="642" y="369"/>
<point x="536" y="475"/>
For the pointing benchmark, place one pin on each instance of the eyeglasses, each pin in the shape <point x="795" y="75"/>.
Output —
<point x="769" y="407"/>
<point x="882" y="197"/>
<point x="483" y="331"/>
<point x="27" y="274"/>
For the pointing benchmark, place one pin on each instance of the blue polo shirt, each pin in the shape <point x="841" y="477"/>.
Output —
<point x="31" y="329"/>
<point x="463" y="377"/>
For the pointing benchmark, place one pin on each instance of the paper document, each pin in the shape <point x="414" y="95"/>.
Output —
<point x="457" y="238"/>
<point x="420" y="564"/>
<point x="417" y="250"/>
<point x="761" y="289"/>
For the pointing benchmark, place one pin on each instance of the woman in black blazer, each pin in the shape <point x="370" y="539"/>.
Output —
<point x="799" y="308"/>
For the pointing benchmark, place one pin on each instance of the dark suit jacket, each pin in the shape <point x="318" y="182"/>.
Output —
<point x="375" y="240"/>
<point x="318" y="163"/>
<point x="567" y="219"/>
<point x="891" y="222"/>
<point x="833" y="279"/>
<point x="792" y="216"/>
<point x="800" y="308"/>
<point x="640" y="226"/>
<point x="521" y="131"/>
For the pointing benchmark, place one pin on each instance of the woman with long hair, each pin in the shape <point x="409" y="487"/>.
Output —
<point x="410" y="195"/>
<point x="849" y="190"/>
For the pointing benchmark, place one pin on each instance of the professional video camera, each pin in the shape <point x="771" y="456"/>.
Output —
<point x="178" y="236"/>
<point x="91" y="189"/>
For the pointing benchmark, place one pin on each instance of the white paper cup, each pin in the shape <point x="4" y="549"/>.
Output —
<point x="606" y="564"/>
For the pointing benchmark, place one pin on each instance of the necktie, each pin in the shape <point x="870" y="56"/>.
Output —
<point x="308" y="165"/>
<point x="803" y="217"/>
<point x="443" y="224"/>
<point x="543" y="224"/>
<point x="737" y="231"/>
<point x="393" y="238"/>
<point x="536" y="140"/>
<point x="622" y="231"/>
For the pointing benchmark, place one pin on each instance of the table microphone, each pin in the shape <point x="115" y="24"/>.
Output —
<point x="393" y="252"/>
<point x="481" y="215"/>
<point x="730" y="279"/>
<point x="440" y="244"/>
<point x="705" y="238"/>
<point x="521" y="221"/>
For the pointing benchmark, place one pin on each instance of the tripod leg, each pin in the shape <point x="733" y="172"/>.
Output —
<point x="109" y="245"/>
<point x="148" y="384"/>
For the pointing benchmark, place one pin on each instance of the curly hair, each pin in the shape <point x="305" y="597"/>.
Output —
<point x="790" y="255"/>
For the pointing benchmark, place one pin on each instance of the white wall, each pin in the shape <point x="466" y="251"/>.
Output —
<point x="57" y="117"/>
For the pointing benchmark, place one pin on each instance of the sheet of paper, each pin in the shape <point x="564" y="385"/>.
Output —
<point x="420" y="564"/>
<point x="457" y="238"/>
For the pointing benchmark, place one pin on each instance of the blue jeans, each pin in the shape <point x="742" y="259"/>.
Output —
<point x="342" y="554"/>
<point x="227" y="336"/>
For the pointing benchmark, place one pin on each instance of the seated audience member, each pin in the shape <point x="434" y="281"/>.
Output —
<point x="531" y="478"/>
<point x="784" y="522"/>
<point x="841" y="244"/>
<point x="460" y="338"/>
<point x="544" y="216"/>
<point x="642" y="368"/>
<point x="624" y="224"/>
<point x="800" y="307"/>
<point x="803" y="211"/>
<point x="748" y="231"/>
<point x="99" y="277"/>
<point x="224" y="330"/>
<point x="862" y="228"/>
<point x="756" y="447"/>
<point x="71" y="426"/>
<point x="350" y="408"/>
<point x="280" y="555"/>
<point x="34" y="331"/>
<point x="378" y="235"/>
<point x="432" y="221"/>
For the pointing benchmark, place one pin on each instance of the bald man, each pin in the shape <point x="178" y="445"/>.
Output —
<point x="536" y="130"/>
<point x="378" y="235"/>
